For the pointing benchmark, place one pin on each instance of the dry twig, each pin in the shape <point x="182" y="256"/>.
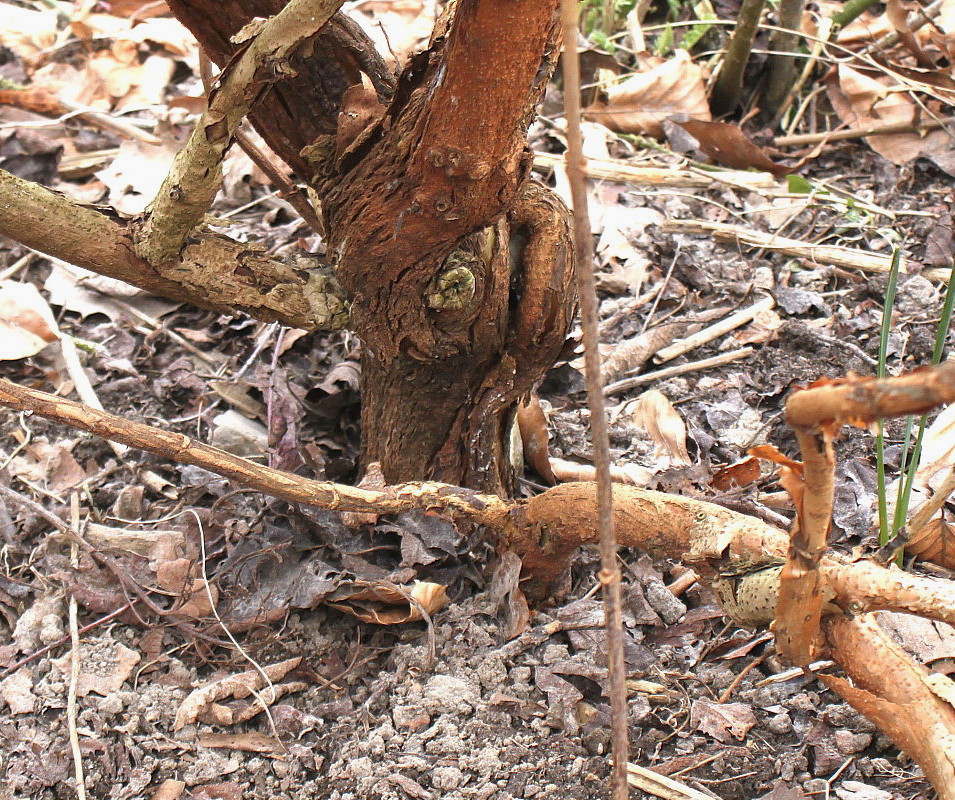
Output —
<point x="587" y="292"/>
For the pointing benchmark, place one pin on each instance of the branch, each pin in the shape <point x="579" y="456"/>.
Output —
<point x="728" y="549"/>
<point x="448" y="159"/>
<point x="301" y="109"/>
<point x="194" y="178"/>
<point x="215" y="272"/>
<point x="816" y="413"/>
<point x="906" y="701"/>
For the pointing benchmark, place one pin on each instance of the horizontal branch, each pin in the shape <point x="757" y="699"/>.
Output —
<point x="727" y="548"/>
<point x="214" y="271"/>
<point x="861" y="401"/>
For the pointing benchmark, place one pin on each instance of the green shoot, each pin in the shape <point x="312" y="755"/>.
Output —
<point x="910" y="461"/>
<point x="880" y="372"/>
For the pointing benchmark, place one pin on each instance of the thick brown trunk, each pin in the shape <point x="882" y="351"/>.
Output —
<point x="460" y="276"/>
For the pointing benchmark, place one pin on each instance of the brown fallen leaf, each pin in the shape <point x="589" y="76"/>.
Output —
<point x="388" y="604"/>
<point x="16" y="691"/>
<point x="238" y="686"/>
<point x="532" y="424"/>
<point x="227" y="790"/>
<point x="722" y="721"/>
<point x="654" y="413"/>
<point x="641" y="102"/>
<point x="935" y="542"/>
<point x="861" y="101"/>
<point x="170" y="789"/>
<point x="27" y="324"/>
<point x="742" y="473"/>
<point x="52" y="465"/>
<point x="113" y="662"/>
<point x="726" y="144"/>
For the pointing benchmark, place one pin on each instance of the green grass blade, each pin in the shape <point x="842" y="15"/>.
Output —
<point x="880" y="372"/>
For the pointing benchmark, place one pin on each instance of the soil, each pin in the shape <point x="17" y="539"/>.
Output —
<point x="482" y="700"/>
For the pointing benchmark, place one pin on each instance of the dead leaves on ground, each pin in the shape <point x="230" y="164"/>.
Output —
<point x="263" y="685"/>
<point x="662" y="89"/>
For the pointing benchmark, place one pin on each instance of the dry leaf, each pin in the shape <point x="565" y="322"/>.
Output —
<point x="26" y="323"/>
<point x="655" y="414"/>
<point x="726" y="144"/>
<point x="165" y="31"/>
<point x="52" y="465"/>
<point x="16" y="691"/>
<point x="157" y="545"/>
<point x="861" y="101"/>
<point x="722" y="721"/>
<point x="934" y="542"/>
<point x="237" y="686"/>
<point x="641" y="102"/>
<point x="762" y="329"/>
<point x="85" y="292"/>
<point x="532" y="424"/>
<point x="897" y="14"/>
<point x="938" y="451"/>
<point x="742" y="473"/>
<point x="105" y="664"/>
<point x="408" y="23"/>
<point x="136" y="174"/>
<point x="388" y="604"/>
<point x="169" y="790"/>
<point x="27" y="32"/>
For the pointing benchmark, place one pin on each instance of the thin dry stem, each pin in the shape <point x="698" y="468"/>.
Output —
<point x="75" y="665"/>
<point x="587" y="292"/>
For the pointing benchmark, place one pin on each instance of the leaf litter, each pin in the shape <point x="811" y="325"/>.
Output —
<point x="489" y="698"/>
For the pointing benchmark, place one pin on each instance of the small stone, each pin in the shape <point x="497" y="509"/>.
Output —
<point x="446" y="778"/>
<point x="849" y="743"/>
<point x="554" y="653"/>
<point x="447" y="694"/>
<point x="361" y="767"/>
<point x="111" y="704"/>
<point x="780" y="723"/>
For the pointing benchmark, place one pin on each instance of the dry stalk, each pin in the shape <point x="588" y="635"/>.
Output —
<point x="625" y="384"/>
<point x="714" y="331"/>
<point x="587" y="292"/>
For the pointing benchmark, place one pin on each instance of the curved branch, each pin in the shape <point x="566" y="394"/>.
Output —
<point x="723" y="545"/>
<point x="906" y="701"/>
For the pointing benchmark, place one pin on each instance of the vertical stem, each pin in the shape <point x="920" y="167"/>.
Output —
<point x="782" y="70"/>
<point x="729" y="84"/>
<point x="586" y="287"/>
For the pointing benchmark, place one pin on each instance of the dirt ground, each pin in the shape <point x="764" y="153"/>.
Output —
<point x="483" y="700"/>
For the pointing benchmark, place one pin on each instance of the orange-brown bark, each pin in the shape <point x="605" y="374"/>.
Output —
<point x="901" y="696"/>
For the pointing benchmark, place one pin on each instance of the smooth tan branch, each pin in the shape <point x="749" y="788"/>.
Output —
<point x="214" y="271"/>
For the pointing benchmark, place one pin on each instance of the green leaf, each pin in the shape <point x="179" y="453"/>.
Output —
<point x="798" y="184"/>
